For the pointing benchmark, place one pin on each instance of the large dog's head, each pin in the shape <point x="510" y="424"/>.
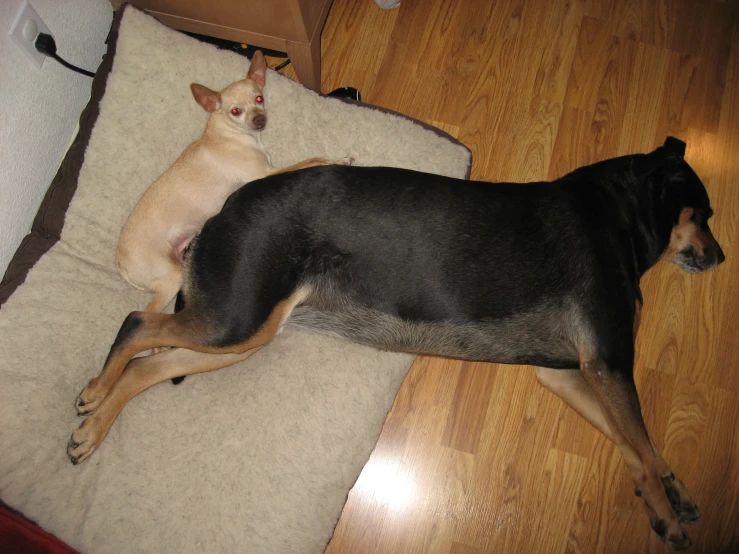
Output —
<point x="692" y="246"/>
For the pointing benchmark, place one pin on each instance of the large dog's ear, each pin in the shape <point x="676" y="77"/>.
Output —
<point x="675" y="146"/>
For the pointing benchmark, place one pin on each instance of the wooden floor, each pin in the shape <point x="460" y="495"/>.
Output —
<point x="477" y="457"/>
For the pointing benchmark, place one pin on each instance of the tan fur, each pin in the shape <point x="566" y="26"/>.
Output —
<point x="611" y="405"/>
<point x="176" y="206"/>
<point x="686" y="233"/>
<point x="106" y="395"/>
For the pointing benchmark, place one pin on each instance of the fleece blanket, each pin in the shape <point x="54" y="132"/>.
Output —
<point x="258" y="457"/>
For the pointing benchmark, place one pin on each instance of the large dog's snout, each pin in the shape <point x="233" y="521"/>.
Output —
<point x="714" y="256"/>
<point x="693" y="247"/>
<point x="259" y="121"/>
<point x="721" y="257"/>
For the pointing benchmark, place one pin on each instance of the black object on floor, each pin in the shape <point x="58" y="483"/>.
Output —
<point x="346" y="92"/>
<point x="238" y="47"/>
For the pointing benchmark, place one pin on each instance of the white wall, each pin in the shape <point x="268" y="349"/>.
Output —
<point x="39" y="108"/>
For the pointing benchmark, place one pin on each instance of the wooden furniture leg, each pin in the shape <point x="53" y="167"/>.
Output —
<point x="306" y="59"/>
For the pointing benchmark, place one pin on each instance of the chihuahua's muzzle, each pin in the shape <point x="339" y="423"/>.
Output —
<point x="259" y="121"/>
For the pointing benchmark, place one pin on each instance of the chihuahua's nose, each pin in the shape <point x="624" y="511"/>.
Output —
<point x="259" y="121"/>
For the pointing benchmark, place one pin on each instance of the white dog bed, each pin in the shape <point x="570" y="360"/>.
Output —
<point x="255" y="458"/>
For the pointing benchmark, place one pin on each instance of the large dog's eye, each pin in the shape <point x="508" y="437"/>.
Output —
<point x="236" y="111"/>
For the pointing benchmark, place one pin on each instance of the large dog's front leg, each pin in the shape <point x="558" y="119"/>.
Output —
<point x="615" y="391"/>
<point x="571" y="386"/>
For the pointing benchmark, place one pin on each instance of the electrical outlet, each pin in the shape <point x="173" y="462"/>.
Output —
<point x="24" y="31"/>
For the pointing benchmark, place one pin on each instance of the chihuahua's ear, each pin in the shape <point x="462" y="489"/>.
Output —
<point x="258" y="68"/>
<point x="210" y="100"/>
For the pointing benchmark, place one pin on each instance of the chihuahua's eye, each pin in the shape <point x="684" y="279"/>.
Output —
<point x="260" y="99"/>
<point x="236" y="111"/>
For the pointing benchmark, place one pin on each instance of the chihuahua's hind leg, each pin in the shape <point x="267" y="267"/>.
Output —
<point x="164" y="291"/>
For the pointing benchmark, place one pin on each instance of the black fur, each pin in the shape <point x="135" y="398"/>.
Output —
<point x="179" y="303"/>
<point x="402" y="260"/>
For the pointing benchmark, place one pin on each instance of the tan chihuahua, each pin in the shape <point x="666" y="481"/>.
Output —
<point x="177" y="205"/>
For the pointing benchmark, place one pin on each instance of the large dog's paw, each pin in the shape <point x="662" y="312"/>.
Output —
<point x="682" y="504"/>
<point x="84" y="440"/>
<point x="91" y="396"/>
<point x="675" y="540"/>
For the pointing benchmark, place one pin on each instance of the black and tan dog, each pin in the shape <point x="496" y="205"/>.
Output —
<point x="545" y="274"/>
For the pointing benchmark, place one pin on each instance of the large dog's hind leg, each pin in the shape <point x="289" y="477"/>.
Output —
<point x="142" y="331"/>
<point x="89" y="399"/>
<point x="140" y="374"/>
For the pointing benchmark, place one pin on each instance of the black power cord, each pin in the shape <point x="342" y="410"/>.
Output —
<point x="45" y="44"/>
<point x="241" y="48"/>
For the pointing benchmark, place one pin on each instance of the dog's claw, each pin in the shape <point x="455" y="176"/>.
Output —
<point x="686" y="511"/>
<point x="84" y="441"/>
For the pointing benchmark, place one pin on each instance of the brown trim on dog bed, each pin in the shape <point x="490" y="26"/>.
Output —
<point x="49" y="221"/>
